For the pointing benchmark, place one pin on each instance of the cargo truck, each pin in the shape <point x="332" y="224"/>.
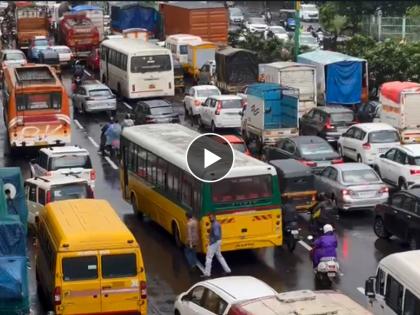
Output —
<point x="271" y="113"/>
<point x="93" y="13"/>
<point x="400" y="108"/>
<point x="31" y="21"/>
<point x="208" y="20"/>
<point x="341" y="79"/>
<point x="295" y="75"/>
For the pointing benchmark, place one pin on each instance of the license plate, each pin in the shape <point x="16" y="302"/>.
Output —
<point x="367" y="194"/>
<point x="152" y="86"/>
<point x="294" y="232"/>
<point x="323" y="164"/>
<point x="331" y="274"/>
<point x="41" y="143"/>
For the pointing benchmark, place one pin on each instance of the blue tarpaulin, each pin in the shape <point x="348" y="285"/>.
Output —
<point x="13" y="277"/>
<point x="79" y="8"/>
<point x="135" y="16"/>
<point x="344" y="82"/>
<point x="12" y="239"/>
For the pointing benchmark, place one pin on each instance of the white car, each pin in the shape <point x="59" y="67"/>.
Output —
<point x="41" y="190"/>
<point x="65" y="55"/>
<point x="278" y="31"/>
<point x="63" y="160"/>
<point x="196" y="95"/>
<point x="235" y="16"/>
<point x="12" y="57"/>
<point x="221" y="111"/>
<point x="93" y="96"/>
<point x="307" y="39"/>
<point x="223" y="296"/>
<point x="365" y="142"/>
<point x="400" y="166"/>
<point x="309" y="12"/>
<point x="256" y="24"/>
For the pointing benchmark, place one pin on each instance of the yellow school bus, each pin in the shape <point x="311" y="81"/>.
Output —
<point x="156" y="181"/>
<point x="88" y="262"/>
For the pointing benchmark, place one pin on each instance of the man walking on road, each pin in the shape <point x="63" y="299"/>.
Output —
<point x="214" y="247"/>
<point x="192" y="241"/>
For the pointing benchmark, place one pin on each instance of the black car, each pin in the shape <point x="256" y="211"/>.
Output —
<point x="367" y="112"/>
<point x="312" y="151"/>
<point x="154" y="112"/>
<point x="400" y="216"/>
<point x="328" y="122"/>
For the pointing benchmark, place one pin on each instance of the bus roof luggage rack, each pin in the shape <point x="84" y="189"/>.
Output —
<point x="37" y="74"/>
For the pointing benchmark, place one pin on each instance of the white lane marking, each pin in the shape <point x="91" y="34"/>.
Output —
<point x="88" y="73"/>
<point x="93" y="142"/>
<point x="110" y="162"/>
<point x="361" y="290"/>
<point x="128" y="106"/>
<point x="78" y="124"/>
<point x="305" y="245"/>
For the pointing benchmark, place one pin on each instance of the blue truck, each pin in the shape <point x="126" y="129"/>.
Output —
<point x="271" y="113"/>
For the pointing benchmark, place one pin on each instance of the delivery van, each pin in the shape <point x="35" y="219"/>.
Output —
<point x="395" y="289"/>
<point x="88" y="262"/>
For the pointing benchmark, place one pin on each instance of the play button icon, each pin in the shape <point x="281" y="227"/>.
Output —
<point x="209" y="157"/>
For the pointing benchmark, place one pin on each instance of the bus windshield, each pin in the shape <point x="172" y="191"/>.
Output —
<point x="36" y="101"/>
<point x="156" y="63"/>
<point x="242" y="189"/>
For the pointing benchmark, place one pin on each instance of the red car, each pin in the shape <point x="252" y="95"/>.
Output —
<point x="93" y="59"/>
<point x="237" y="143"/>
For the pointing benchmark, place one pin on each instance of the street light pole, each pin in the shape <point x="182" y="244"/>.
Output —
<point x="297" y="29"/>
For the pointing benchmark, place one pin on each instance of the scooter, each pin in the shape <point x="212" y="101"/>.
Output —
<point x="291" y="235"/>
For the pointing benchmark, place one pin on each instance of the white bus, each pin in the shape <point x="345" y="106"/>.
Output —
<point x="136" y="69"/>
<point x="178" y="44"/>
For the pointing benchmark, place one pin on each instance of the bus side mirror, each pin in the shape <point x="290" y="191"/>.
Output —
<point x="370" y="288"/>
<point x="268" y="110"/>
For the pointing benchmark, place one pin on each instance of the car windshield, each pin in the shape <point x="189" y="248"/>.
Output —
<point x="257" y="21"/>
<point x="71" y="191"/>
<point x="278" y="30"/>
<point x="308" y="40"/>
<point x="416" y="160"/>
<point x="41" y="42"/>
<point x="231" y="104"/>
<point x="384" y="136"/>
<point x="345" y="117"/>
<point x="15" y="56"/>
<point x="70" y="161"/>
<point x="103" y="92"/>
<point x="360" y="176"/>
<point x="242" y="189"/>
<point x="154" y="63"/>
<point x="316" y="149"/>
<point x="161" y="110"/>
<point x="207" y="92"/>
<point x="239" y="146"/>
<point x="235" y="11"/>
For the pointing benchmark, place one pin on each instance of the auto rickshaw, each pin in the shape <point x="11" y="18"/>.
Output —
<point x="178" y="75"/>
<point x="296" y="184"/>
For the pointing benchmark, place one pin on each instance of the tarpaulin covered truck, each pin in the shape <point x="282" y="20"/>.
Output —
<point x="208" y="20"/>
<point x="31" y="21"/>
<point x="400" y="108"/>
<point x="295" y="75"/>
<point x="133" y="16"/>
<point x="93" y="13"/>
<point x="235" y="69"/>
<point x="14" y="289"/>
<point x="270" y="114"/>
<point x="341" y="79"/>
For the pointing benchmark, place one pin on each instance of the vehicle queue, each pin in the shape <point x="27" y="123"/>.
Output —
<point x="248" y="203"/>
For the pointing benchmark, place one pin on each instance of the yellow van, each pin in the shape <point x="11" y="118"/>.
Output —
<point x="198" y="55"/>
<point x="88" y="262"/>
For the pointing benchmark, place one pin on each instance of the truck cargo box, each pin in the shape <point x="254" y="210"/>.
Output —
<point x="207" y="20"/>
<point x="93" y="13"/>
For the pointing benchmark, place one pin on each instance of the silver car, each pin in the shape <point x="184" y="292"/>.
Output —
<point x="93" y="96"/>
<point x="352" y="185"/>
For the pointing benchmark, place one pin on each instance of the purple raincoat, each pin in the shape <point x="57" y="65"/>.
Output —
<point x="324" y="246"/>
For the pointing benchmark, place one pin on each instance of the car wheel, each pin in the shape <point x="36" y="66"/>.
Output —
<point x="186" y="113"/>
<point x="414" y="244"/>
<point x="213" y="127"/>
<point x="340" y="151"/>
<point x="136" y="211"/>
<point x="177" y="312"/>
<point x="402" y="184"/>
<point x="379" y="228"/>
<point x="175" y="234"/>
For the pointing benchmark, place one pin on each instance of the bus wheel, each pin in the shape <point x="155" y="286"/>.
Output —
<point x="175" y="234"/>
<point x="136" y="211"/>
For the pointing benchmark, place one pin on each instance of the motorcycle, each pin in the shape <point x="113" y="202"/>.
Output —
<point x="77" y="81"/>
<point x="291" y="235"/>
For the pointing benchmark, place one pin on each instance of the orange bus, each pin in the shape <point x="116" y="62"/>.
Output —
<point x="35" y="106"/>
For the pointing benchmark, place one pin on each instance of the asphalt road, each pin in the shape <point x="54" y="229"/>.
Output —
<point x="167" y="272"/>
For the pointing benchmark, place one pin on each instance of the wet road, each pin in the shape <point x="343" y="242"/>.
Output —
<point x="168" y="275"/>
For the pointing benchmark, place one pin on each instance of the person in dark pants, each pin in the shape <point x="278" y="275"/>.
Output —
<point x="103" y="137"/>
<point x="193" y="238"/>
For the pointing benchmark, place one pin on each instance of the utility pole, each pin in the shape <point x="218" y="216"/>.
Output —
<point x="297" y="29"/>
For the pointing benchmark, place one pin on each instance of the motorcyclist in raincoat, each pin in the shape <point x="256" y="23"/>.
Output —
<point x="325" y="245"/>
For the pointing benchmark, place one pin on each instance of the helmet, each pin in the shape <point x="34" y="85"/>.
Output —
<point x="327" y="228"/>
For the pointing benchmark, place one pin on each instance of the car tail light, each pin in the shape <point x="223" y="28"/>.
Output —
<point x="48" y="174"/>
<point x="337" y="161"/>
<point x="366" y="146"/>
<point x="197" y="102"/>
<point x="414" y="172"/>
<point x="346" y="192"/>
<point x="57" y="296"/>
<point x="48" y="199"/>
<point x="308" y="163"/>
<point x="218" y="108"/>
<point x="237" y="310"/>
<point x="328" y="125"/>
<point x="143" y="290"/>
<point x="384" y="190"/>
<point x="149" y="120"/>
<point x="92" y="175"/>
<point x="90" y="193"/>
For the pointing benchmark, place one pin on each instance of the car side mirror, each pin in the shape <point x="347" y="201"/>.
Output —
<point x="370" y="288"/>
<point x="382" y="155"/>
<point x="32" y="161"/>
<point x="186" y="298"/>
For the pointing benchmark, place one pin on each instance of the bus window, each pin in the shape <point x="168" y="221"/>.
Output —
<point x="380" y="282"/>
<point x="394" y="294"/>
<point x="142" y="64"/>
<point x="38" y="101"/>
<point x="411" y="304"/>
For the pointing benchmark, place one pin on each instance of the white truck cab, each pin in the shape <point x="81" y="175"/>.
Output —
<point x="396" y="287"/>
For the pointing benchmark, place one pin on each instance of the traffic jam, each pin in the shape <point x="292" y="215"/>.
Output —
<point x="152" y="166"/>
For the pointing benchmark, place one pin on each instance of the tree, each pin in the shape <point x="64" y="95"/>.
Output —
<point x="413" y="11"/>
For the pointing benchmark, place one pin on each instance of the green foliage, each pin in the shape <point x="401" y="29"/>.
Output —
<point x="413" y="11"/>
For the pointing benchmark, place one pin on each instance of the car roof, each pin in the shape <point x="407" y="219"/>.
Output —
<point x="307" y="139"/>
<point x="334" y="109"/>
<point x="156" y="103"/>
<point x="205" y="87"/>
<point x="240" y="288"/>
<point x="92" y="84"/>
<point x="225" y="97"/>
<point x="58" y="179"/>
<point x="64" y="150"/>
<point x="412" y="149"/>
<point x="374" y="126"/>
<point x="351" y="166"/>
<point x="6" y="51"/>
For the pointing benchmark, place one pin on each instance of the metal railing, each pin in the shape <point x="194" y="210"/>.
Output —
<point x="396" y="28"/>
